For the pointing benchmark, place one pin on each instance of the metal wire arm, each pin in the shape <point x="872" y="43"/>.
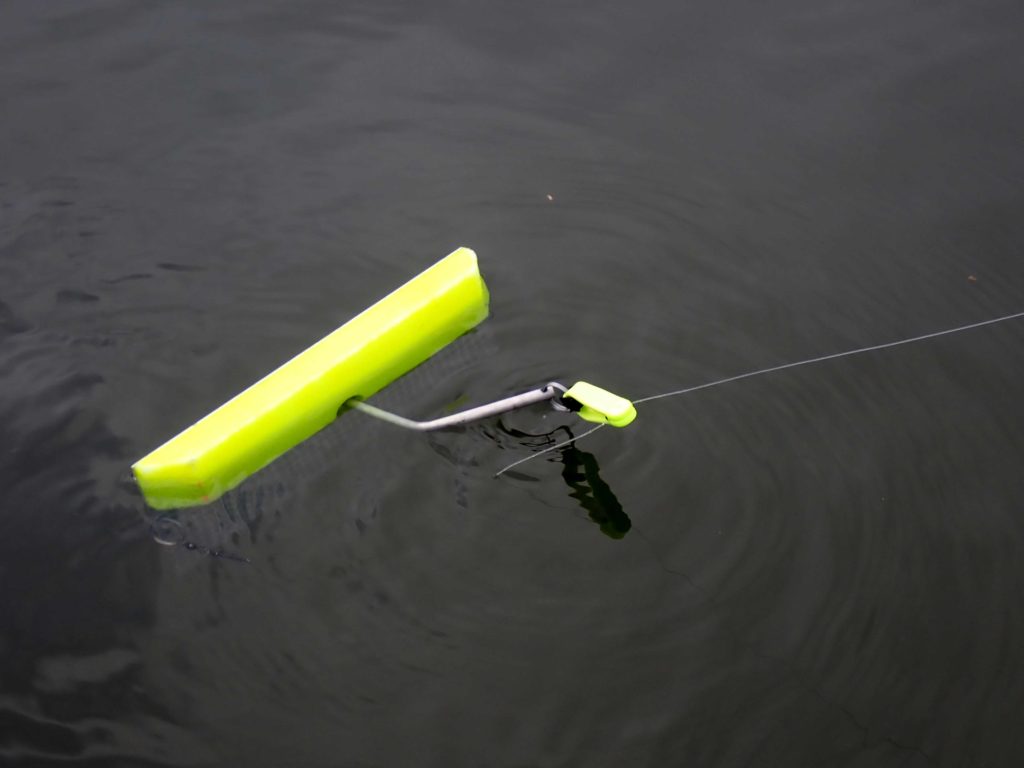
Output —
<point x="550" y="391"/>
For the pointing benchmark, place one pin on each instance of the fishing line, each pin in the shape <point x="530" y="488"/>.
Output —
<point x="833" y="356"/>
<point x="772" y="369"/>
<point x="550" y="448"/>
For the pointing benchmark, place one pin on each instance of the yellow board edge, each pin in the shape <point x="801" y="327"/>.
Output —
<point x="303" y="396"/>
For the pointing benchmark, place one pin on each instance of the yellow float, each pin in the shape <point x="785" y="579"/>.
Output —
<point x="341" y="370"/>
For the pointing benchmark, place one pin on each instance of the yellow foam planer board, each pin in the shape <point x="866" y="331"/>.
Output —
<point x="304" y="395"/>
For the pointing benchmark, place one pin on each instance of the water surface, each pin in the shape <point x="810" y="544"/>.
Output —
<point x="821" y="567"/>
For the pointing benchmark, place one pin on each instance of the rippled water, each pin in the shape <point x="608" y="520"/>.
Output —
<point x="817" y="567"/>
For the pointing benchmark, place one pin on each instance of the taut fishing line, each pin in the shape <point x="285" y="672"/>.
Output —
<point x="772" y="369"/>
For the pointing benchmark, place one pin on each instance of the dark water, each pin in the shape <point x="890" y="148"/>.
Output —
<point x="820" y="567"/>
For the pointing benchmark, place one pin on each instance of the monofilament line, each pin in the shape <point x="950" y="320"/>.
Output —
<point x="550" y="448"/>
<point x="772" y="369"/>
<point x="833" y="356"/>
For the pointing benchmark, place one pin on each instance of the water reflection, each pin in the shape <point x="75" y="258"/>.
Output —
<point x="169" y="531"/>
<point x="582" y="474"/>
<point x="593" y="493"/>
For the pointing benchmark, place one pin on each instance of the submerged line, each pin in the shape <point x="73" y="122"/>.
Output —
<point x="772" y="369"/>
<point x="550" y="448"/>
<point x="833" y="356"/>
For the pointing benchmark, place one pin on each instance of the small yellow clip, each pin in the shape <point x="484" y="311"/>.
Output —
<point x="601" y="406"/>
